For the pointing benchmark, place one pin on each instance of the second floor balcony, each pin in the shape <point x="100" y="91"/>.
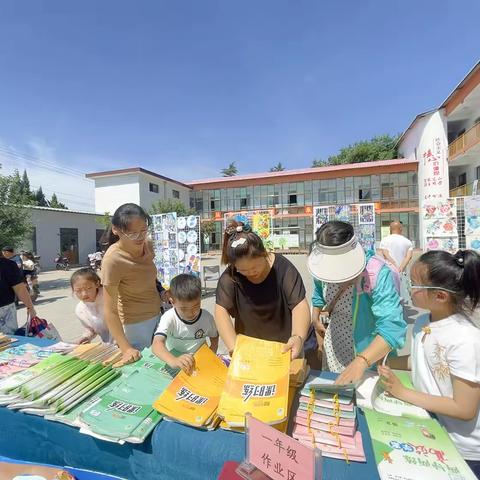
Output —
<point x="465" y="142"/>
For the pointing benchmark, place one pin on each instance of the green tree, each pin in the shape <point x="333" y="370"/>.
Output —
<point x="15" y="223"/>
<point x="278" y="167"/>
<point x="230" y="171"/>
<point x="26" y="191"/>
<point x="15" y="189"/>
<point x="317" y="162"/>
<point x="382" y="147"/>
<point x="105" y="220"/>
<point x="54" y="203"/>
<point x="40" y="199"/>
<point x="171" y="205"/>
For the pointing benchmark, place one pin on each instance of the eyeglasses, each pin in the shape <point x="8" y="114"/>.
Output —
<point x="427" y="287"/>
<point x="135" y="235"/>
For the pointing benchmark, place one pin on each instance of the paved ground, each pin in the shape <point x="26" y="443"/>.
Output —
<point x="57" y="304"/>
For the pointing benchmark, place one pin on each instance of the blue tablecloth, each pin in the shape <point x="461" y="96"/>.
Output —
<point x="172" y="452"/>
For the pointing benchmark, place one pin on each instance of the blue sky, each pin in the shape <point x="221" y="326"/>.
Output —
<point x="186" y="87"/>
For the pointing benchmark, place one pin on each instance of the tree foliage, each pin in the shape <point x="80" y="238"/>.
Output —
<point x="278" y="167"/>
<point x="54" y="203"/>
<point x="230" y="171"/>
<point x="171" y="205"/>
<point x="381" y="147"/>
<point x="15" y="224"/>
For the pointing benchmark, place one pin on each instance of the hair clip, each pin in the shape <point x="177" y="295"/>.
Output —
<point x="460" y="261"/>
<point x="238" y="242"/>
<point x="239" y="229"/>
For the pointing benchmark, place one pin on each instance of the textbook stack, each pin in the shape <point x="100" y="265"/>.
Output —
<point x="257" y="383"/>
<point x="58" y="383"/>
<point x="193" y="399"/>
<point x="326" y="419"/>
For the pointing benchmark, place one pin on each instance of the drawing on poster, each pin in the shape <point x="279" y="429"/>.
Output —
<point x="473" y="242"/>
<point x="445" y="209"/>
<point x="320" y="217"/>
<point x="342" y="213"/>
<point x="366" y="214"/>
<point x="449" y="244"/>
<point x="472" y="216"/>
<point x="441" y="227"/>
<point x="367" y="236"/>
<point x="261" y="224"/>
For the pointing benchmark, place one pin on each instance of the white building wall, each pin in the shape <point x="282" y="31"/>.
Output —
<point x="165" y="188"/>
<point x="48" y="223"/>
<point x="408" y="148"/>
<point x="113" y="191"/>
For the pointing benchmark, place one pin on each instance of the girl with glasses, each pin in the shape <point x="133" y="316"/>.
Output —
<point x="131" y="299"/>
<point x="445" y="358"/>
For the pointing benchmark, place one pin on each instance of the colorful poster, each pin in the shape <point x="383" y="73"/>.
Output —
<point x="320" y="216"/>
<point x="261" y="224"/>
<point x="366" y="213"/>
<point x="445" y="209"/>
<point x="441" y="227"/>
<point x="366" y="236"/>
<point x="472" y="216"/>
<point x="449" y="244"/>
<point x="342" y="213"/>
<point x="414" y="448"/>
<point x="473" y="242"/>
<point x="176" y="243"/>
<point x="189" y="243"/>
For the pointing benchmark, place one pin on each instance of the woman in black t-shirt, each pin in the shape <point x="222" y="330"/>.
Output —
<point x="262" y="291"/>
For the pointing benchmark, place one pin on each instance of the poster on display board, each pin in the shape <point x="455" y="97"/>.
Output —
<point x="176" y="242"/>
<point x="259" y="220"/>
<point x="440" y="225"/>
<point x="472" y="216"/>
<point x="342" y="213"/>
<point x="189" y="245"/>
<point x="285" y="241"/>
<point x="366" y="214"/>
<point x="366" y="236"/>
<point x="321" y="215"/>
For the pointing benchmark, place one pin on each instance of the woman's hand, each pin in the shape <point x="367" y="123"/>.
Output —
<point x="390" y="382"/>
<point x="320" y="322"/>
<point x="130" y="355"/>
<point x="353" y="373"/>
<point x="295" y="345"/>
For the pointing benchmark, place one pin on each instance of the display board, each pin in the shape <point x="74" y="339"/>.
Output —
<point x="472" y="222"/>
<point x="361" y="216"/>
<point x="440" y="225"/>
<point x="177" y="245"/>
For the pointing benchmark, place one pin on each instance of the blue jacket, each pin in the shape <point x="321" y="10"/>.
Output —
<point x="379" y="310"/>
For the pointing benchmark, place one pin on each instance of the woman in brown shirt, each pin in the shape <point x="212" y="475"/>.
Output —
<point x="262" y="291"/>
<point x="131" y="299"/>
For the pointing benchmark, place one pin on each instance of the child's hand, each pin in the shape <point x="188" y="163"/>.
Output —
<point x="390" y="381"/>
<point x="130" y="355"/>
<point x="186" y="362"/>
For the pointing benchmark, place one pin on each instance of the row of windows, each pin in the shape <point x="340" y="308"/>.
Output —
<point x="388" y="187"/>
<point x="153" y="187"/>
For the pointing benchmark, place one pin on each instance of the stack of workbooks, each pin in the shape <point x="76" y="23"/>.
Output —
<point x="257" y="383"/>
<point x="326" y="419"/>
<point x="193" y="399"/>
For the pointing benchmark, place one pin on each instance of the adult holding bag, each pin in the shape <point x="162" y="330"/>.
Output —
<point x="131" y="299"/>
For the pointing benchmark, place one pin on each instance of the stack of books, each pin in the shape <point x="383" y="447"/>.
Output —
<point x="257" y="383"/>
<point x="326" y="419"/>
<point x="193" y="399"/>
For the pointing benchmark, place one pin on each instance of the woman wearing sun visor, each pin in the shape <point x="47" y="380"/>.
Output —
<point x="356" y="303"/>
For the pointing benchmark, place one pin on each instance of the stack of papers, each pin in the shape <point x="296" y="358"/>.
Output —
<point x="193" y="399"/>
<point x="21" y="357"/>
<point x="257" y="383"/>
<point x="326" y="419"/>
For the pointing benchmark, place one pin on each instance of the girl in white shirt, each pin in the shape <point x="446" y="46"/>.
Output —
<point x="86" y="287"/>
<point x="445" y="355"/>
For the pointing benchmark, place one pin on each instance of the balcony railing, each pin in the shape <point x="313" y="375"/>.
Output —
<point x="462" y="191"/>
<point x="464" y="142"/>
